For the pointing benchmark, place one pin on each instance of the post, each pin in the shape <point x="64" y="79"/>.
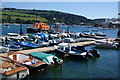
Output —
<point x="21" y="33"/>
<point x="67" y="31"/>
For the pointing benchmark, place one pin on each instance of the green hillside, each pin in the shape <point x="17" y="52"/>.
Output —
<point x="12" y="15"/>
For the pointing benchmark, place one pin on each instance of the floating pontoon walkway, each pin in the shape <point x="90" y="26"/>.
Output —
<point x="48" y="49"/>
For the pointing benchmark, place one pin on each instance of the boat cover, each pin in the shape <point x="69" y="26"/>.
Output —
<point x="48" y="58"/>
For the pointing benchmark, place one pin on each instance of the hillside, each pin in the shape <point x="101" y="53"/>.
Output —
<point x="13" y="15"/>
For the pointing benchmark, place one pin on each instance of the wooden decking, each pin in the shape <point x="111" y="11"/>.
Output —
<point x="44" y="49"/>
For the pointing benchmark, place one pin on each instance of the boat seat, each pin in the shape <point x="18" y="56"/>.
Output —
<point x="18" y="69"/>
<point x="25" y="60"/>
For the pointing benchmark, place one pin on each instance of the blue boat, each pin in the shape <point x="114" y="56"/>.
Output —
<point x="43" y="35"/>
<point x="14" y="47"/>
<point x="48" y="58"/>
<point x="26" y="44"/>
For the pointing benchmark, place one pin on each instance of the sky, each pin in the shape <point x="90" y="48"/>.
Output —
<point x="91" y="10"/>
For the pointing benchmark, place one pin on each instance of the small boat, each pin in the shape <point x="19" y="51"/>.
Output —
<point x="100" y="37"/>
<point x="74" y="34"/>
<point x="26" y="44"/>
<point x="10" y="70"/>
<point x="48" y="58"/>
<point x="20" y="38"/>
<point x="87" y="35"/>
<point x="100" y="34"/>
<point x="64" y="34"/>
<point x="3" y="49"/>
<point x="106" y="44"/>
<point x="95" y="30"/>
<point x="86" y="31"/>
<point x="53" y="42"/>
<point x="40" y="43"/>
<point x="43" y="36"/>
<point x="13" y="34"/>
<point x="14" y="47"/>
<point x="31" y="62"/>
<point x="76" y="51"/>
<point x="7" y="24"/>
<point x="53" y="35"/>
<point x="69" y="40"/>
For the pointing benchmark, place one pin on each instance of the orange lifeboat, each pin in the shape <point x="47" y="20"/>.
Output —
<point x="43" y="26"/>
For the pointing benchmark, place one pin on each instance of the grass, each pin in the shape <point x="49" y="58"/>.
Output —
<point x="23" y="16"/>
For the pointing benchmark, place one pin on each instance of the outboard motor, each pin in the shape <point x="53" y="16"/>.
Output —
<point x="117" y="46"/>
<point x="6" y="41"/>
<point x="88" y="55"/>
<point x="95" y="53"/>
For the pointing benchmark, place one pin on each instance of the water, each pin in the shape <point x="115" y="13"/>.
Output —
<point x="104" y="67"/>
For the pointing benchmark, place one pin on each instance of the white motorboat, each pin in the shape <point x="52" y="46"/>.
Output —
<point x="40" y="43"/>
<point x="69" y="40"/>
<point x="76" y="51"/>
<point x="106" y="44"/>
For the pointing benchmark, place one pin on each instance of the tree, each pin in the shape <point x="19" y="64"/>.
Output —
<point x="18" y="20"/>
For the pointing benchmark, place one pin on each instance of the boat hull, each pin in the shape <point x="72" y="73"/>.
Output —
<point x="41" y="67"/>
<point x="67" y="54"/>
<point x="32" y="30"/>
<point x="75" y="56"/>
<point x="16" y="76"/>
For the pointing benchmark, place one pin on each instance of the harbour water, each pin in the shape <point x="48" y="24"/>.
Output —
<point x="104" y="67"/>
